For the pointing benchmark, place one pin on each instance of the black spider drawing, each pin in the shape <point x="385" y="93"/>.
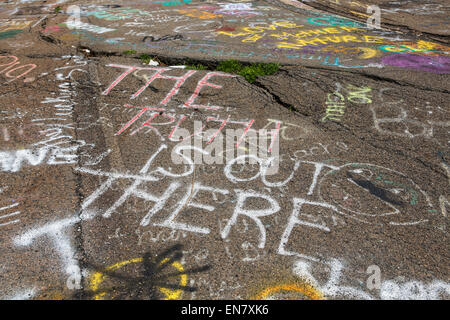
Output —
<point x="147" y="284"/>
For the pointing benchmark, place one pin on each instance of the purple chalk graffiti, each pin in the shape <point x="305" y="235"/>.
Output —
<point x="423" y="63"/>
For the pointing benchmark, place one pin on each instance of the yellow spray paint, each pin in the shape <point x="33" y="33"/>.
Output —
<point x="199" y="14"/>
<point x="329" y="40"/>
<point x="69" y="37"/>
<point x="252" y="38"/>
<point x="302" y="288"/>
<point x="52" y="295"/>
<point x="360" y="14"/>
<point x="422" y="47"/>
<point x="14" y="25"/>
<point x="367" y="53"/>
<point x="98" y="277"/>
<point x="260" y="29"/>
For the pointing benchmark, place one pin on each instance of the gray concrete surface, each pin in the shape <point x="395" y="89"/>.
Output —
<point x="94" y="206"/>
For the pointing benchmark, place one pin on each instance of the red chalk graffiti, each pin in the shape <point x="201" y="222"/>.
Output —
<point x="158" y="112"/>
<point x="13" y="67"/>
<point x="203" y="83"/>
<point x="50" y="29"/>
<point x="136" y="117"/>
<point x="179" y="82"/>
<point x="157" y="75"/>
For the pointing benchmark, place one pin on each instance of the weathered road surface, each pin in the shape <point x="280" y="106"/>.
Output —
<point x="94" y="206"/>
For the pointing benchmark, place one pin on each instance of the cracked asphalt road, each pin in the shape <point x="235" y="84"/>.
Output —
<point x="119" y="179"/>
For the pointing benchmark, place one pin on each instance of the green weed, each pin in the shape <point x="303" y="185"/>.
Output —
<point x="129" y="52"/>
<point x="196" y="67"/>
<point x="145" y="58"/>
<point x="249" y="72"/>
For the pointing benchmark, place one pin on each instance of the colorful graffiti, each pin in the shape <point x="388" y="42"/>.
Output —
<point x="438" y="65"/>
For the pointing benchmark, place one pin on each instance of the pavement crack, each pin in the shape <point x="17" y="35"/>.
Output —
<point x="279" y="100"/>
<point x="49" y="39"/>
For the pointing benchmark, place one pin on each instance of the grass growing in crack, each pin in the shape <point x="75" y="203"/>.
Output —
<point x="258" y="69"/>
<point x="249" y="72"/>
<point x="145" y="58"/>
<point x="196" y="67"/>
<point x="129" y="52"/>
<point x="230" y="66"/>
<point x="57" y="9"/>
